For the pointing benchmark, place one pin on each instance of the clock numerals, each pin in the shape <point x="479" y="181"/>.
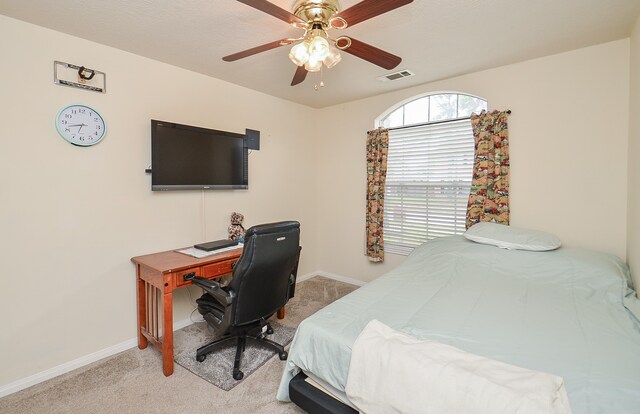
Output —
<point x="81" y="125"/>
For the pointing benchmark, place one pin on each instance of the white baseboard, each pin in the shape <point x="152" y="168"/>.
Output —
<point x="128" y="344"/>
<point x="306" y="276"/>
<point x="340" y="278"/>
<point x="66" y="367"/>
<point x="76" y="363"/>
<point x="333" y="276"/>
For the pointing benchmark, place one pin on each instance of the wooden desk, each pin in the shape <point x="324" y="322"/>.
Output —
<point x="158" y="275"/>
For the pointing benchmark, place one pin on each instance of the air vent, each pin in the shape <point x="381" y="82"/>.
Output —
<point x="396" y="75"/>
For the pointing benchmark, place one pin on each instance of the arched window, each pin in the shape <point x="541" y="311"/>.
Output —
<point x="429" y="168"/>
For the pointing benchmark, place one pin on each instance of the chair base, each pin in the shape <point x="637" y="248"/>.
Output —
<point x="241" y="340"/>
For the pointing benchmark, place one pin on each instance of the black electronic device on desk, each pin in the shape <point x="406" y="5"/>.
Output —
<point x="215" y="245"/>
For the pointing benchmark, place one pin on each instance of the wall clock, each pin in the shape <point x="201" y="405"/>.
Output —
<point x="81" y="125"/>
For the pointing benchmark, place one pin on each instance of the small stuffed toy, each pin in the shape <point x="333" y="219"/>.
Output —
<point x="236" y="231"/>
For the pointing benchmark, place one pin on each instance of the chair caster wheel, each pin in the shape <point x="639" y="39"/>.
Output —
<point x="238" y="375"/>
<point x="200" y="358"/>
<point x="269" y="331"/>
<point x="283" y="355"/>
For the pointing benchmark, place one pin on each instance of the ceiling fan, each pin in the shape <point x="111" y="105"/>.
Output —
<point x="316" y="48"/>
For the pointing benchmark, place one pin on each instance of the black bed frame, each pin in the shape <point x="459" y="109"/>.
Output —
<point x="314" y="401"/>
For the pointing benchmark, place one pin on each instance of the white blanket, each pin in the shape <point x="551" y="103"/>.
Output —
<point x="391" y="372"/>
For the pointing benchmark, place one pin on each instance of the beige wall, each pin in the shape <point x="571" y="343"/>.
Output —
<point x="71" y="218"/>
<point x="568" y="135"/>
<point x="633" y="237"/>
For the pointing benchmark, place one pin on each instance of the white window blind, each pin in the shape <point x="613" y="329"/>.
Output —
<point x="429" y="169"/>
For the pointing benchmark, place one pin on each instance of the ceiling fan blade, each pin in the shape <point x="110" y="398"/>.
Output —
<point x="257" y="49"/>
<point x="300" y="76"/>
<point x="367" y="9"/>
<point x="367" y="52"/>
<point x="272" y="9"/>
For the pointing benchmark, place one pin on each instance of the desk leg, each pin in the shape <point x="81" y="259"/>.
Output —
<point x="280" y="313"/>
<point x="167" y="332"/>
<point x="142" y="313"/>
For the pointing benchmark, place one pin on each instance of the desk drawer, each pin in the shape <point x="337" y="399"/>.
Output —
<point x="178" y="276"/>
<point x="218" y="269"/>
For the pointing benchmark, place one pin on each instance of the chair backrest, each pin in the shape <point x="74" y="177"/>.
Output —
<point x="262" y="275"/>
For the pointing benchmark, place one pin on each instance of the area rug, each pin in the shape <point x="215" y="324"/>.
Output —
<point x="218" y="367"/>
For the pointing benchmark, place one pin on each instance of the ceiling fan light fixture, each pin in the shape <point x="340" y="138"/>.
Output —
<point x="313" y="53"/>
<point x="316" y="48"/>
<point x="313" y="64"/>
<point x="299" y="53"/>
<point x="319" y="48"/>
<point x="333" y="58"/>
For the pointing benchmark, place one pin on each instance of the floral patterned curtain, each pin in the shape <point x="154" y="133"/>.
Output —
<point x="377" y="149"/>
<point x="489" y="197"/>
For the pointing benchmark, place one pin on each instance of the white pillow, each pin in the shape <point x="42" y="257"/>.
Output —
<point x="508" y="237"/>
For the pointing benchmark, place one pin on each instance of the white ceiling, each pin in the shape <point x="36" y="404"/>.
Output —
<point x="436" y="38"/>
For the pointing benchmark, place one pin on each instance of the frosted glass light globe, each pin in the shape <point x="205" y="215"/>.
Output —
<point x="313" y="64"/>
<point x="333" y="58"/>
<point x="319" y="48"/>
<point x="299" y="54"/>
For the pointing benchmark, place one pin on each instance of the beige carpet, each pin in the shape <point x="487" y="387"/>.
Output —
<point x="132" y="381"/>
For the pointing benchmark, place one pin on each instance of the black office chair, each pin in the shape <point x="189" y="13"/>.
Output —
<point x="263" y="281"/>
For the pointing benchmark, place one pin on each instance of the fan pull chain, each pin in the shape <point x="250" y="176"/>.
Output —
<point x="321" y="81"/>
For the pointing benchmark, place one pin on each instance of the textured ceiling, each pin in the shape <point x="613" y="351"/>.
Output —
<point x="436" y="38"/>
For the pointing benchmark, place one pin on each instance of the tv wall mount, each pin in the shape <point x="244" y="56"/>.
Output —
<point x="67" y="74"/>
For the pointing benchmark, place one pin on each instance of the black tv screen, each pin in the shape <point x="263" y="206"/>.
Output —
<point x="191" y="158"/>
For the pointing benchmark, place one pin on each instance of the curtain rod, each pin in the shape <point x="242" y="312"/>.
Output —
<point x="508" y="111"/>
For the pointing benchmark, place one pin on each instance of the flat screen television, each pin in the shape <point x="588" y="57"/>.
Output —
<point x="185" y="157"/>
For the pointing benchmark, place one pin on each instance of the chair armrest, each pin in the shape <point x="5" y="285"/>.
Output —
<point x="211" y="287"/>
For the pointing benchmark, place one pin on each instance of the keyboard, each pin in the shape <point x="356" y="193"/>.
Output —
<point x="197" y="253"/>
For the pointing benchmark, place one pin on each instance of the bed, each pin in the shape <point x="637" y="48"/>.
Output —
<point x="568" y="312"/>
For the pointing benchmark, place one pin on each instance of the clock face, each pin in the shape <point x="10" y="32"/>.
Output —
<point x="81" y="125"/>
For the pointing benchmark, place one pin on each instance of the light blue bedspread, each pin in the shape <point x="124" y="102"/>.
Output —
<point x="561" y="312"/>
